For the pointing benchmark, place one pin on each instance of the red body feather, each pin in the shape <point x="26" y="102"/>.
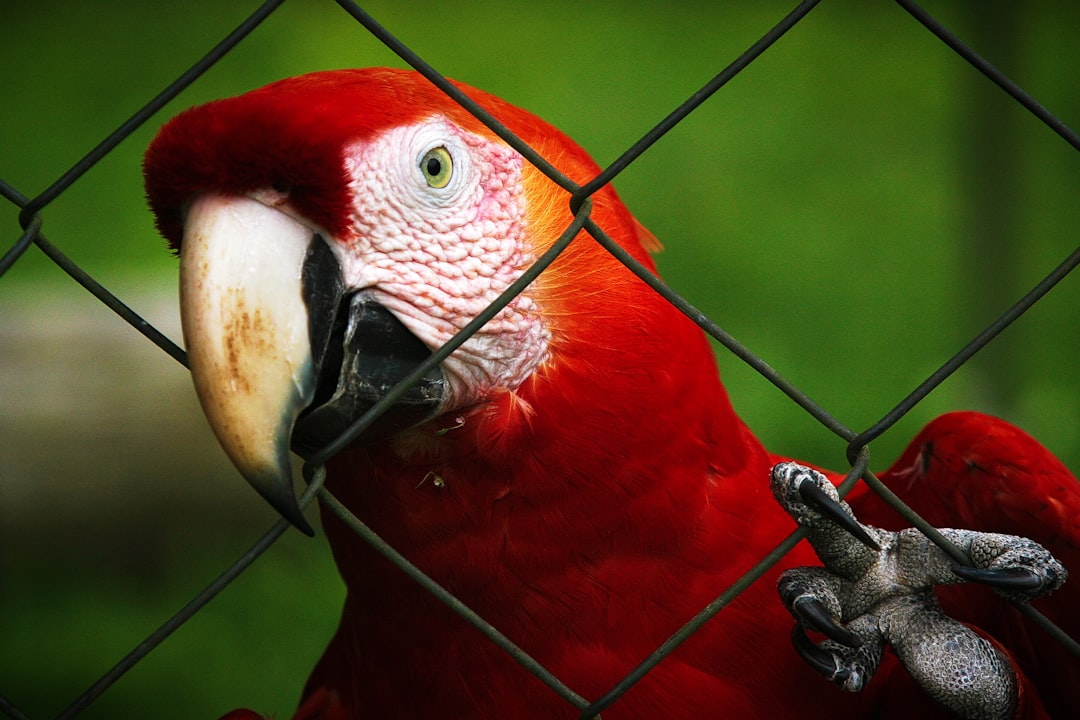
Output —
<point x="592" y="511"/>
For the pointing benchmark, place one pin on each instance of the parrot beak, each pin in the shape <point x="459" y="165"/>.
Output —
<point x="281" y="354"/>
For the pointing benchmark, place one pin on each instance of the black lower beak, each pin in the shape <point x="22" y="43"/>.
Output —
<point x="361" y="352"/>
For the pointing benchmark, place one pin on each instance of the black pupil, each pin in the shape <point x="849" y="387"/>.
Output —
<point x="434" y="167"/>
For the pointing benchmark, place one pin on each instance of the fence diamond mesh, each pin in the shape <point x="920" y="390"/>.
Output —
<point x="1008" y="260"/>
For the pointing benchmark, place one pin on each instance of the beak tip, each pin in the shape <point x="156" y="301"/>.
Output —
<point x="279" y="495"/>
<point x="300" y="523"/>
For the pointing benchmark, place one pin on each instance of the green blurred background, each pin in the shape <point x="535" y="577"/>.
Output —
<point x="854" y="207"/>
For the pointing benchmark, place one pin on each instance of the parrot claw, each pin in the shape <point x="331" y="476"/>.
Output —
<point x="825" y="662"/>
<point x="1004" y="578"/>
<point x="815" y="615"/>
<point x="815" y="606"/>
<point x="863" y="599"/>
<point x="1033" y="572"/>
<point x="819" y="500"/>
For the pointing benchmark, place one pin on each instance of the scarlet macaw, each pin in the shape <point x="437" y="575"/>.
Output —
<point x="574" y="472"/>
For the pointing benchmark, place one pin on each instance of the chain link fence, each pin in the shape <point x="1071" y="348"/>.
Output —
<point x="34" y="212"/>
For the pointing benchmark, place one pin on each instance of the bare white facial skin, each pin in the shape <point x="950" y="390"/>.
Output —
<point x="440" y="227"/>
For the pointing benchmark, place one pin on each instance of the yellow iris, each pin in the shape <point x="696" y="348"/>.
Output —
<point x="437" y="167"/>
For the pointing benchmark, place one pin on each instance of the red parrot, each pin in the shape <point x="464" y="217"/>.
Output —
<point x="574" y="472"/>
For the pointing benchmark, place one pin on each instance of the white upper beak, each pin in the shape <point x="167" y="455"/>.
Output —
<point x="245" y="326"/>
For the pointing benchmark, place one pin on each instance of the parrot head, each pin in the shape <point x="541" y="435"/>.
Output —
<point x="333" y="230"/>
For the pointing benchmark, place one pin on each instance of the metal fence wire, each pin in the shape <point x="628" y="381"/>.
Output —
<point x="33" y="209"/>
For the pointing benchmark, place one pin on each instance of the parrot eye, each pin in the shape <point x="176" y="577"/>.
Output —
<point x="437" y="167"/>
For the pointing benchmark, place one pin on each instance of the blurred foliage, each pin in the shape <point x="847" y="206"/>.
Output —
<point x="823" y="208"/>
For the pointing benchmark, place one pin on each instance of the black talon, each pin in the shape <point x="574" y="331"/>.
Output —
<point x="821" y="660"/>
<point x="1004" y="578"/>
<point x="816" y="498"/>
<point x="814" y="613"/>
